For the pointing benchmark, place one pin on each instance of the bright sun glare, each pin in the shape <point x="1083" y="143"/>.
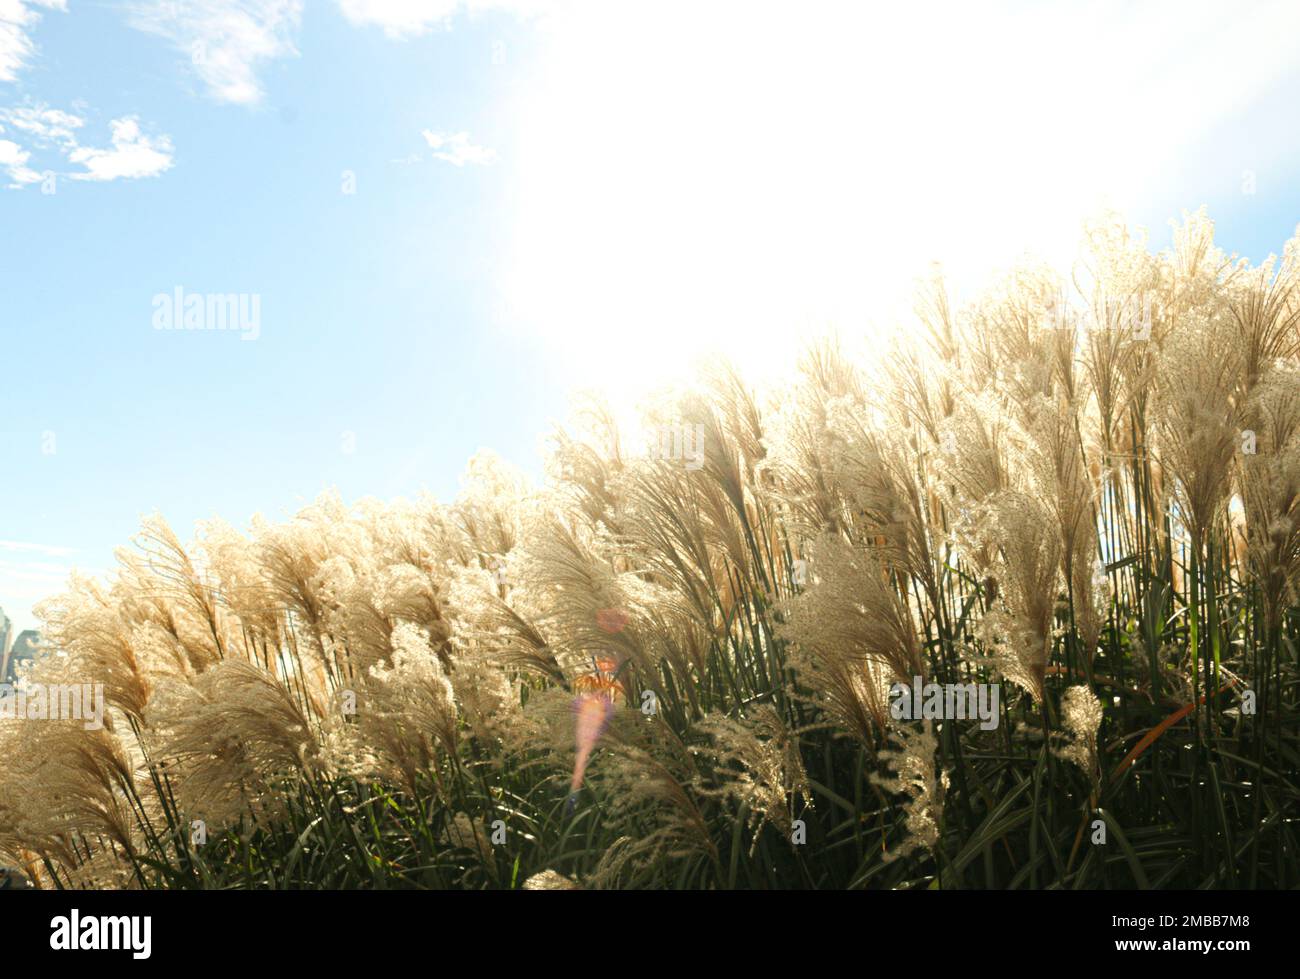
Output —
<point x="711" y="177"/>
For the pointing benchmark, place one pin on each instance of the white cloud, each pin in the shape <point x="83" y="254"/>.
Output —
<point x="17" y="18"/>
<point x="407" y="18"/>
<point x="455" y="148"/>
<point x="44" y="125"/>
<point x="224" y="40"/>
<point x="13" y="160"/>
<point x="399" y="18"/>
<point x="133" y="154"/>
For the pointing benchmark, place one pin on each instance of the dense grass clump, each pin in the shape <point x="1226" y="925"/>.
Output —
<point x="672" y="666"/>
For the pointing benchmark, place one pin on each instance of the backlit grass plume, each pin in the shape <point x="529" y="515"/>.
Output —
<point x="672" y="662"/>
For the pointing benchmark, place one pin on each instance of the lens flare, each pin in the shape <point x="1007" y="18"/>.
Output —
<point x="599" y="694"/>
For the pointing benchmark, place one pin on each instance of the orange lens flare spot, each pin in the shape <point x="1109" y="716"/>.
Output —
<point x="612" y="620"/>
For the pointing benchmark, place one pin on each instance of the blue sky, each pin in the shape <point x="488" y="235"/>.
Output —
<point x="545" y="196"/>
<point x="378" y="331"/>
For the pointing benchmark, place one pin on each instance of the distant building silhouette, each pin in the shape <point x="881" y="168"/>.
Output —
<point x="6" y="636"/>
<point x="22" y="652"/>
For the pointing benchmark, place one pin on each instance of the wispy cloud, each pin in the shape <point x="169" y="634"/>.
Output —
<point x="41" y="577"/>
<point x="30" y="124"/>
<point x="50" y="550"/>
<point x="455" y="148"/>
<point x="44" y="124"/>
<point x="224" y="40"/>
<point x="408" y="18"/>
<point x="29" y="573"/>
<point x="17" y="18"/>
<point x="227" y="40"/>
